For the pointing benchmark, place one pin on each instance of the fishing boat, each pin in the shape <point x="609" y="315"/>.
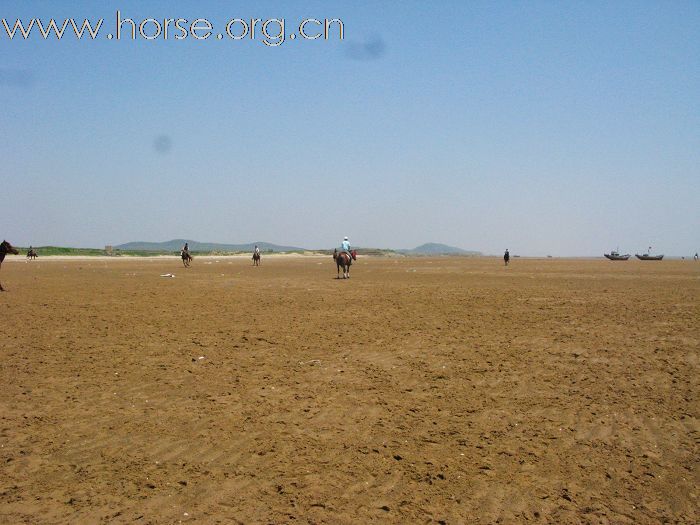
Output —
<point x="614" y="255"/>
<point x="648" y="256"/>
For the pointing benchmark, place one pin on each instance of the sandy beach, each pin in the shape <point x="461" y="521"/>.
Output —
<point x="422" y="390"/>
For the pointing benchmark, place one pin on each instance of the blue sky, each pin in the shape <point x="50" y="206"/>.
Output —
<point x="558" y="128"/>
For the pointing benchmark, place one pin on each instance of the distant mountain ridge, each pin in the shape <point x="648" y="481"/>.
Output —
<point x="433" y="248"/>
<point x="176" y="245"/>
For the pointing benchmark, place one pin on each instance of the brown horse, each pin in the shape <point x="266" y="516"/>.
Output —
<point x="256" y="259"/>
<point x="186" y="258"/>
<point x="343" y="260"/>
<point x="31" y="254"/>
<point x="6" y="248"/>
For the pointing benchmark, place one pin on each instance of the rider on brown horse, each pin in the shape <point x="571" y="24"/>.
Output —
<point x="344" y="258"/>
<point x="185" y="255"/>
<point x="5" y="248"/>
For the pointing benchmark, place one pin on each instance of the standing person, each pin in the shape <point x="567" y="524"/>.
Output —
<point x="345" y="246"/>
<point x="506" y="257"/>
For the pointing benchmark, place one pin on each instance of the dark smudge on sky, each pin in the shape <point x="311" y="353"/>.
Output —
<point x="372" y="48"/>
<point x="16" y="78"/>
<point x="162" y="144"/>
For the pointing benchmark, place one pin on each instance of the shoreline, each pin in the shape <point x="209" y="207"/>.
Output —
<point x="312" y="255"/>
<point x="23" y="257"/>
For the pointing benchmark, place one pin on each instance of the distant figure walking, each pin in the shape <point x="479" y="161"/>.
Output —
<point x="185" y="255"/>
<point x="256" y="256"/>
<point x="6" y="248"/>
<point x="506" y="257"/>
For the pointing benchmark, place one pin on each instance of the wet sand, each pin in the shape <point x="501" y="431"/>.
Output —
<point x="422" y="390"/>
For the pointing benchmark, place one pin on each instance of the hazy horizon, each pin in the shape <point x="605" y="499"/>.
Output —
<point x="548" y="129"/>
<point x="368" y="247"/>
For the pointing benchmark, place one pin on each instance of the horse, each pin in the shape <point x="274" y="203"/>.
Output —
<point x="256" y="259"/>
<point x="186" y="258"/>
<point x="6" y="248"/>
<point x="31" y="254"/>
<point x="342" y="259"/>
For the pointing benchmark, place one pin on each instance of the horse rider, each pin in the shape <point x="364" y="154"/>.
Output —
<point x="256" y="251"/>
<point x="185" y="249"/>
<point x="506" y="257"/>
<point x="345" y="246"/>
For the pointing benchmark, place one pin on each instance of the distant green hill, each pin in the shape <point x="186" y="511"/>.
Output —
<point x="176" y="245"/>
<point x="433" y="248"/>
<point x="208" y="247"/>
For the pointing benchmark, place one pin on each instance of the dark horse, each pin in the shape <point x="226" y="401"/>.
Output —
<point x="186" y="258"/>
<point x="6" y="248"/>
<point x="256" y="259"/>
<point x="343" y="260"/>
<point x="31" y="254"/>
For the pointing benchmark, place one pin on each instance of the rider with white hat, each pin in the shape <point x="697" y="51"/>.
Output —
<point x="345" y="245"/>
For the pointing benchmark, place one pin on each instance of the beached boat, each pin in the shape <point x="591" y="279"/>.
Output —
<point x="615" y="256"/>
<point x="648" y="256"/>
